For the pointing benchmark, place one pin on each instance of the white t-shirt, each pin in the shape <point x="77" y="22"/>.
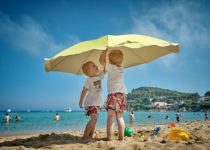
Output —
<point x="94" y="96"/>
<point x="115" y="81"/>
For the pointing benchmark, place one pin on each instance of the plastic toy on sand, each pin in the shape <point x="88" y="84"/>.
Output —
<point x="155" y="132"/>
<point x="173" y="125"/>
<point x="178" y="134"/>
<point x="128" y="132"/>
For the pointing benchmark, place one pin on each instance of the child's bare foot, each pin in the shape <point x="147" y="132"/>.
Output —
<point x="121" y="139"/>
<point x="86" y="138"/>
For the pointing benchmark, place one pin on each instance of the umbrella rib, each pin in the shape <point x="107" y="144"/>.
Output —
<point x="58" y="63"/>
<point x="145" y="60"/>
<point x="84" y="61"/>
<point x="139" y="57"/>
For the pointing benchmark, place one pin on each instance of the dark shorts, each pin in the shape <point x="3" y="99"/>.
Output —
<point x="116" y="102"/>
<point x="177" y="119"/>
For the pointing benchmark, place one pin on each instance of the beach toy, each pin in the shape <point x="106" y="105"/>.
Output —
<point x="142" y="138"/>
<point x="173" y="125"/>
<point x="128" y="132"/>
<point x="178" y="134"/>
<point x="155" y="132"/>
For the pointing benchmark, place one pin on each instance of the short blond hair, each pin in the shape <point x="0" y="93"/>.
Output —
<point x="115" y="54"/>
<point x="85" y="67"/>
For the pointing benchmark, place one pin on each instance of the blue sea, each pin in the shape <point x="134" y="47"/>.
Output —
<point x="43" y="122"/>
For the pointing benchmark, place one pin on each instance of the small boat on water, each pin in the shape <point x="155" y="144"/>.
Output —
<point x="68" y="110"/>
<point x="9" y="110"/>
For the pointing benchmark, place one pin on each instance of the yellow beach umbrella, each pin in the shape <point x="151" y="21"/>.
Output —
<point x="137" y="49"/>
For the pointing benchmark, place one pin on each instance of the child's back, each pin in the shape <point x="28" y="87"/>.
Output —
<point x="116" y="100"/>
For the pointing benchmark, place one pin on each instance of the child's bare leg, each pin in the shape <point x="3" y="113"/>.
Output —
<point x="121" y="125"/>
<point x="90" y="126"/>
<point x="93" y="129"/>
<point x="110" y="123"/>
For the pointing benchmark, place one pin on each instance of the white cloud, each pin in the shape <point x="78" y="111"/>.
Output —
<point x="178" y="21"/>
<point x="168" y="61"/>
<point x="29" y="36"/>
<point x="182" y="22"/>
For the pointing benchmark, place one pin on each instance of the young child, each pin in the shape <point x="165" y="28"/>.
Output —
<point x="116" y="100"/>
<point x="131" y="118"/>
<point x="57" y="117"/>
<point x="7" y="118"/>
<point x="91" y="96"/>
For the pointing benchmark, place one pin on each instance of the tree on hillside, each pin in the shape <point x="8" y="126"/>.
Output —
<point x="207" y="93"/>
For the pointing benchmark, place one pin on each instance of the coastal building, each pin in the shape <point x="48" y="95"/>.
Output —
<point x="205" y="99"/>
<point x="132" y="101"/>
<point x="160" y="105"/>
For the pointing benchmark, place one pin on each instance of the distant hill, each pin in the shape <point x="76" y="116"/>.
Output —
<point x="142" y="98"/>
<point x="165" y="95"/>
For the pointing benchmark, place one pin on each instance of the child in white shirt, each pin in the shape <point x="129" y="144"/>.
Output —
<point x="116" y="101"/>
<point x="91" y="96"/>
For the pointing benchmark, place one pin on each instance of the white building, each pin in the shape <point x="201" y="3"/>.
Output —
<point x="160" y="105"/>
<point x="205" y="98"/>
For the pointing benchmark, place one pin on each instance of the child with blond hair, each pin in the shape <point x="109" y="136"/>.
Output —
<point x="91" y="96"/>
<point x="116" y="100"/>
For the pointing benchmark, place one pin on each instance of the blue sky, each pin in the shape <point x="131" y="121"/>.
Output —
<point x="33" y="30"/>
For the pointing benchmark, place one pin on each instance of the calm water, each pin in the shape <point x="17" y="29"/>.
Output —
<point x="37" y="122"/>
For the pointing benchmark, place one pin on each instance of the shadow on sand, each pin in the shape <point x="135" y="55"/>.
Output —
<point x="45" y="140"/>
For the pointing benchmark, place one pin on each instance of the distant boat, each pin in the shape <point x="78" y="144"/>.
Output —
<point x="68" y="110"/>
<point x="9" y="110"/>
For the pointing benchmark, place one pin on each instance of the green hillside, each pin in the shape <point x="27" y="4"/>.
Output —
<point x="143" y="97"/>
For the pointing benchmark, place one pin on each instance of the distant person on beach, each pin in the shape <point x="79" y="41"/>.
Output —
<point x="149" y="116"/>
<point x="178" y="114"/>
<point x="7" y="118"/>
<point x="57" y="117"/>
<point x="206" y="115"/>
<point x="91" y="96"/>
<point x="131" y="118"/>
<point x="17" y="118"/>
<point x="116" y="99"/>
<point x="167" y="117"/>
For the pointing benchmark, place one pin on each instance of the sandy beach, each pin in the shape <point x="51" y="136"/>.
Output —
<point x="199" y="139"/>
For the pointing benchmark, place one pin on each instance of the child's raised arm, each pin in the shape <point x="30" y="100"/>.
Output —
<point x="82" y="96"/>
<point x="102" y="58"/>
